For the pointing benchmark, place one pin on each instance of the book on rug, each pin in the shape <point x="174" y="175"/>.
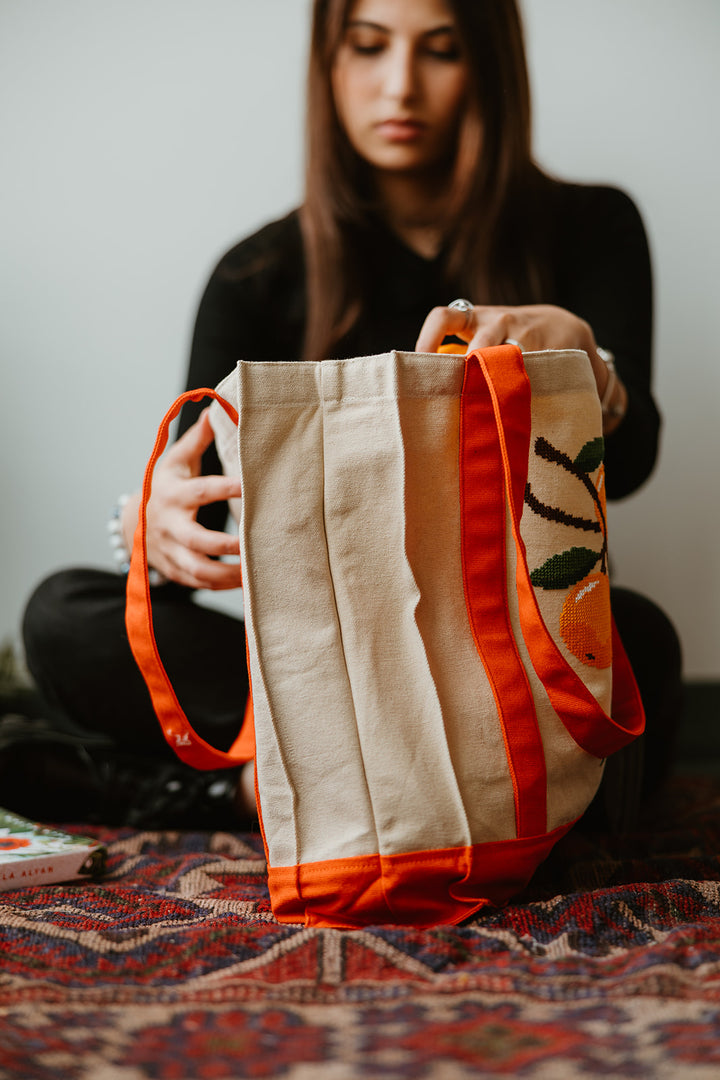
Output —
<point x="32" y="854"/>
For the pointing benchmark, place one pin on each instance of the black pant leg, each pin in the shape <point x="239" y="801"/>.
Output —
<point x="638" y="772"/>
<point x="77" y="651"/>
<point x="654" y="651"/>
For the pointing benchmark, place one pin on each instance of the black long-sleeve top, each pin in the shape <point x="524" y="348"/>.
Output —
<point x="254" y="309"/>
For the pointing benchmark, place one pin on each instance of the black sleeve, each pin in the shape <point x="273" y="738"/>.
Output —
<point x="214" y="351"/>
<point x="252" y="309"/>
<point x="604" y="276"/>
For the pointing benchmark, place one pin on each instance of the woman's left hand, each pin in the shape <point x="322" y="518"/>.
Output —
<point x="534" y="327"/>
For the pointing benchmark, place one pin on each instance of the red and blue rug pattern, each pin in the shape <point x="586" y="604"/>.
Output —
<point x="173" y="967"/>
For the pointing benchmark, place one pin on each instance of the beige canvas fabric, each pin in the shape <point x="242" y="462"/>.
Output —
<point x="376" y="727"/>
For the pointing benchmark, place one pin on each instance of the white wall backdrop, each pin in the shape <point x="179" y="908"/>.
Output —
<point x="139" y="138"/>
<point x="627" y="92"/>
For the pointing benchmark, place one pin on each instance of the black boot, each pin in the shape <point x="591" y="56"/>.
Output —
<point x="53" y="774"/>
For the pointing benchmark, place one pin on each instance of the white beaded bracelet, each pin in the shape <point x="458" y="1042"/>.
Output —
<point x="120" y="553"/>
<point x="607" y="409"/>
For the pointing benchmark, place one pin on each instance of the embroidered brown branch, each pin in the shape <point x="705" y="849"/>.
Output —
<point x="548" y="452"/>
<point x="554" y="513"/>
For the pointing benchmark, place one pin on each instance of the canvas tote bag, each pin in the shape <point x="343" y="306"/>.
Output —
<point x="436" y="679"/>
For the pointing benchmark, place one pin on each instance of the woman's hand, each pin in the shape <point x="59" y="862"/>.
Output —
<point x="177" y="545"/>
<point x="534" y="327"/>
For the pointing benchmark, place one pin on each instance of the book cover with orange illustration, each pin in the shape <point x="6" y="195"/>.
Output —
<point x="33" y="854"/>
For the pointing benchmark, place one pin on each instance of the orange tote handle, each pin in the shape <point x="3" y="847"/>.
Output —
<point x="499" y="372"/>
<point x="176" y="727"/>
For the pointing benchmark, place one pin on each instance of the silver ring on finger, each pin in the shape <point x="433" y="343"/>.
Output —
<point x="512" y="341"/>
<point x="462" y="305"/>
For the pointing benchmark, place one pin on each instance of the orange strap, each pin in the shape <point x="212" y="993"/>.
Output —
<point x="500" y="372"/>
<point x="176" y="727"/>
<point x="482" y="496"/>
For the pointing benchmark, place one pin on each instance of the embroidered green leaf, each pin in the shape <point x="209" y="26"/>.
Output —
<point x="566" y="569"/>
<point x="591" y="456"/>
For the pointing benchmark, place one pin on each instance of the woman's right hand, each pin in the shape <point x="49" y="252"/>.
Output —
<point x="177" y="545"/>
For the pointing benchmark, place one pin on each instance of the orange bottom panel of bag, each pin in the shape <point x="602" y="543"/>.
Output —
<point x="420" y="889"/>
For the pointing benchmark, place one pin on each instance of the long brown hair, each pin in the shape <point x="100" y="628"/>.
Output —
<point x="488" y="223"/>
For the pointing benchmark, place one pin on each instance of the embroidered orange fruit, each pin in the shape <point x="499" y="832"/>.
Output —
<point x="9" y="843"/>
<point x="585" y="624"/>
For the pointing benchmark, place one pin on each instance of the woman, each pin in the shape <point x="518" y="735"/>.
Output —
<point x="420" y="187"/>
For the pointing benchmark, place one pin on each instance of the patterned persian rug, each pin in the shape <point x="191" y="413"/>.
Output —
<point x="173" y="967"/>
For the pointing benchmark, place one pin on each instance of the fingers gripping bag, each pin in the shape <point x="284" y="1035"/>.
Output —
<point x="436" y="677"/>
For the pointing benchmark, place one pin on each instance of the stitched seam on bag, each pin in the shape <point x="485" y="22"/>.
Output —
<point x="323" y="402"/>
<point x="248" y="590"/>
<point x="294" y="403"/>
<point x="432" y="855"/>
<point x="443" y="720"/>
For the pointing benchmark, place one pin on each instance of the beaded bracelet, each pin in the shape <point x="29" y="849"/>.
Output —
<point x="618" y="409"/>
<point x="120" y="553"/>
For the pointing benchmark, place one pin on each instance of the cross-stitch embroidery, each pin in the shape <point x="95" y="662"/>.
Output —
<point x="585" y="624"/>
